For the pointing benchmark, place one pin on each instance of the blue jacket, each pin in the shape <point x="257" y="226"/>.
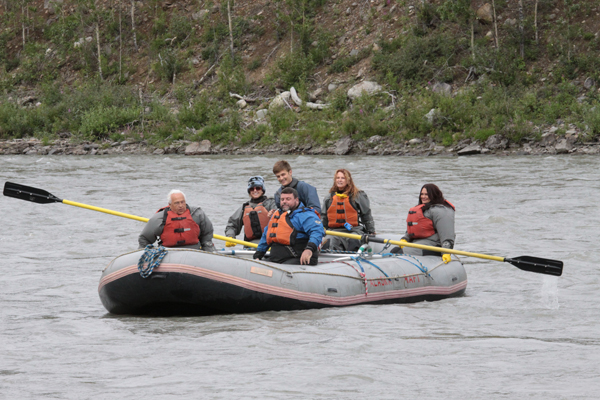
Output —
<point x="306" y="222"/>
<point x="306" y="193"/>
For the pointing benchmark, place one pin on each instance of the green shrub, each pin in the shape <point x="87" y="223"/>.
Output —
<point x="17" y="122"/>
<point x="483" y="134"/>
<point x="100" y="121"/>
<point x="591" y="118"/>
<point x="281" y="119"/>
<point x="323" y="46"/>
<point x="254" y="134"/>
<point x="254" y="64"/>
<point x="293" y="69"/>
<point x="417" y="59"/>
<point x="169" y="64"/>
<point x="218" y="133"/>
<point x="200" y="113"/>
<point x="231" y="77"/>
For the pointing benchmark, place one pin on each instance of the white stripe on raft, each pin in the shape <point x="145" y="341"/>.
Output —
<point x="288" y="293"/>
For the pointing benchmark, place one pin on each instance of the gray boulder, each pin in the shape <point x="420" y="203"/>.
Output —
<point x="366" y="87"/>
<point x="485" y="13"/>
<point x="548" y="139"/>
<point x="262" y="113"/>
<point x="496" y="142"/>
<point x="442" y="88"/>
<point x="197" y="148"/>
<point x="281" y="100"/>
<point x="563" y="146"/>
<point x="343" y="146"/>
<point x="470" y="150"/>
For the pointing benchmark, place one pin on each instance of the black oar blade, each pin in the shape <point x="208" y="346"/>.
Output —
<point x="536" y="264"/>
<point x="29" y="193"/>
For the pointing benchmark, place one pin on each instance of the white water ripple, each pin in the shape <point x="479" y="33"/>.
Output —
<point x="515" y="334"/>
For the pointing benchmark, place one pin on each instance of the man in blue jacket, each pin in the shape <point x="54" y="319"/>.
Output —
<point x="294" y="233"/>
<point x="306" y="193"/>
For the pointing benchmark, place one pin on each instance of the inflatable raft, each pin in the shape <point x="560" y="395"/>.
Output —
<point x="194" y="282"/>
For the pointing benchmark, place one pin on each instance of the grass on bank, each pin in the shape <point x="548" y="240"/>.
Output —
<point x="115" y="113"/>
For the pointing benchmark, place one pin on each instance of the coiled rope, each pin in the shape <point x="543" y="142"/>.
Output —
<point x="153" y="256"/>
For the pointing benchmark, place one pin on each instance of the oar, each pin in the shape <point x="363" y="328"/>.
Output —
<point x="526" y="263"/>
<point x="41" y="196"/>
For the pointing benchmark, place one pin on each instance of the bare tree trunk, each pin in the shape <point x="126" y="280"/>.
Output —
<point x="23" y="24"/>
<point x="522" y="40"/>
<point x="537" y="41"/>
<point x="568" y="30"/>
<point x="496" y="26"/>
<point x="292" y="39"/>
<point x="98" y="44"/>
<point x="142" y="106"/>
<point x="133" y="25"/>
<point x="473" y="39"/>
<point x="27" y="29"/>
<point x="120" y="43"/>
<point x="230" y="29"/>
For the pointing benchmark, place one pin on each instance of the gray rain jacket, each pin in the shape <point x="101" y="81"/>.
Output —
<point x="236" y="222"/>
<point x="154" y="229"/>
<point x="306" y="193"/>
<point x="443" y="223"/>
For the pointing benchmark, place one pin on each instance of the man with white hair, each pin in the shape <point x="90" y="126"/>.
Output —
<point x="178" y="225"/>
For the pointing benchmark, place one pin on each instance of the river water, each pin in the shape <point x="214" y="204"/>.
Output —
<point x="514" y="335"/>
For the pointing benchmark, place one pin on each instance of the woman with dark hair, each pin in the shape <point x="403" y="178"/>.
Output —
<point x="346" y="209"/>
<point x="430" y="223"/>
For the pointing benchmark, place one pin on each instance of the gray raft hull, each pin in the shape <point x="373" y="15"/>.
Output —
<point x="193" y="282"/>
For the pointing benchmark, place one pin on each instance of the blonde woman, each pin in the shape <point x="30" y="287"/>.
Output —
<point x="346" y="209"/>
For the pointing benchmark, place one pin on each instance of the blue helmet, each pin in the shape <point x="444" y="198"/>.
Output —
<point x="256" y="181"/>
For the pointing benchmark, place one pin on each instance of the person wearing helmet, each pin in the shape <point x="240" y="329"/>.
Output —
<point x="253" y="215"/>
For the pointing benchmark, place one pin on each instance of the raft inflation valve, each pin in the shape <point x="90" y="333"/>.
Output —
<point x="365" y="251"/>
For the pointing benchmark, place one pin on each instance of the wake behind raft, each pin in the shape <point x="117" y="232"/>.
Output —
<point x="194" y="282"/>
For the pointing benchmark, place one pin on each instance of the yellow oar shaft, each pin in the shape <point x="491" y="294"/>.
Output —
<point x="142" y="219"/>
<point x="104" y="210"/>
<point x="229" y="239"/>
<point x="422" y="246"/>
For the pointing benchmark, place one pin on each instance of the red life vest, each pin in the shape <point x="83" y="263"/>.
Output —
<point x="281" y="229"/>
<point x="179" y="230"/>
<point x="418" y="225"/>
<point x="341" y="211"/>
<point x="254" y="220"/>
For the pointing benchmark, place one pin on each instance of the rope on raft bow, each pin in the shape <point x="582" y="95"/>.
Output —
<point x="153" y="256"/>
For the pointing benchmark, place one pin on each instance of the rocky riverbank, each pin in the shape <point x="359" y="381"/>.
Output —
<point x="551" y="143"/>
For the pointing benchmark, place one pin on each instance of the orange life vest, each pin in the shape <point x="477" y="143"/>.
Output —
<point x="281" y="229"/>
<point x="418" y="225"/>
<point x="254" y="220"/>
<point x="341" y="211"/>
<point x="179" y="230"/>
